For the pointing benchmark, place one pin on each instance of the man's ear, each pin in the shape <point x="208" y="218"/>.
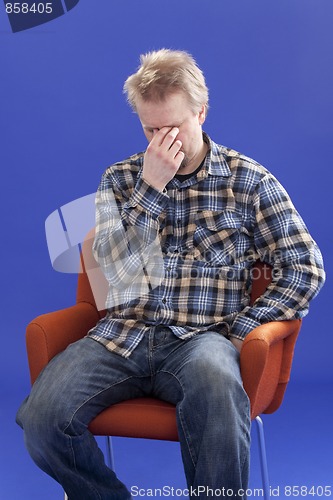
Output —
<point x="202" y="114"/>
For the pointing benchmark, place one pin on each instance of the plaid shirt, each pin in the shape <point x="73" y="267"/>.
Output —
<point x="183" y="257"/>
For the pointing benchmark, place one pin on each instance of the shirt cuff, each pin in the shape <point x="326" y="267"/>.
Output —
<point x="148" y="198"/>
<point x="242" y="326"/>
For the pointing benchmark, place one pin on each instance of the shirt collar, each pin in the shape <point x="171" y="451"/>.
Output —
<point x="216" y="163"/>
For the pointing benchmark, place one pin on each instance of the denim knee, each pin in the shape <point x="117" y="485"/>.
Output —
<point x="40" y="418"/>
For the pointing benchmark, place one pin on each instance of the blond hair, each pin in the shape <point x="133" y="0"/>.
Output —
<point x="164" y="72"/>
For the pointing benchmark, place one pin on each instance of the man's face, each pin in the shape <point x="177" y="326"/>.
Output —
<point x="175" y="111"/>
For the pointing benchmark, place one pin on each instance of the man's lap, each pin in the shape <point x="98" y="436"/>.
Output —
<point x="86" y="377"/>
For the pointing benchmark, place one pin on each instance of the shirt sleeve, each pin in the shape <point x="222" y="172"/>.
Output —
<point x="126" y="244"/>
<point x="282" y="240"/>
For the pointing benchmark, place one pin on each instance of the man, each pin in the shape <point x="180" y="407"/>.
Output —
<point x="178" y="229"/>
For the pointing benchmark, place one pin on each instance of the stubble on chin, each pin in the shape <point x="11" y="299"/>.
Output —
<point x="184" y="163"/>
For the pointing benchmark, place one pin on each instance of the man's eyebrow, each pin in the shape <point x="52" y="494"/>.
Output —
<point x="159" y="128"/>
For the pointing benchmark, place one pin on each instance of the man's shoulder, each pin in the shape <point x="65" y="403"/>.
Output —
<point x="124" y="173"/>
<point x="131" y="164"/>
<point x="239" y="167"/>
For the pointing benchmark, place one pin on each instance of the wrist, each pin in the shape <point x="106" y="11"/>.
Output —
<point x="156" y="185"/>
<point x="238" y="343"/>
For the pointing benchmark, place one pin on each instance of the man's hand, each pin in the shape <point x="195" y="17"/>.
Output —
<point x="237" y="343"/>
<point x="162" y="158"/>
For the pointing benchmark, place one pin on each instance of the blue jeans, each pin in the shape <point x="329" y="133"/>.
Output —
<point x="200" y="376"/>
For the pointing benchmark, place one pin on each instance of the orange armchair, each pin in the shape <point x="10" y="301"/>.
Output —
<point x="266" y="359"/>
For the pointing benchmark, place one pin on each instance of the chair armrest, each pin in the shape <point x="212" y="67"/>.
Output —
<point x="266" y="359"/>
<point x="51" y="333"/>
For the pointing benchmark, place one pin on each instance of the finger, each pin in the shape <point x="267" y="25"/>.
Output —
<point x="160" y="135"/>
<point x="169" y="138"/>
<point x="175" y="148"/>
<point x="179" y="158"/>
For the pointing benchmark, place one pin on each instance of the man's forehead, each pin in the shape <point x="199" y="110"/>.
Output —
<point x="167" y="113"/>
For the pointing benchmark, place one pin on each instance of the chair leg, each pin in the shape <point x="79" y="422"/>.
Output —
<point x="109" y="453"/>
<point x="263" y="458"/>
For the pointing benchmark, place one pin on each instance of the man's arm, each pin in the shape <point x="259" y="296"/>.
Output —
<point x="126" y="242"/>
<point x="238" y="343"/>
<point x="282" y="240"/>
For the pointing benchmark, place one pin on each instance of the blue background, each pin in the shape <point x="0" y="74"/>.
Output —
<point x="63" y="120"/>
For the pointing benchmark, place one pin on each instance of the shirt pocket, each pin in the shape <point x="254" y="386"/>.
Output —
<point x="216" y="237"/>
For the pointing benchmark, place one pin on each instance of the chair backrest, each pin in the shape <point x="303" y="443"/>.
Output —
<point x="261" y="278"/>
<point x="89" y="272"/>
